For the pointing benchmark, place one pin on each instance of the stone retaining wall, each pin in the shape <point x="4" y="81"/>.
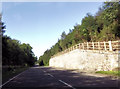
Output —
<point x="87" y="60"/>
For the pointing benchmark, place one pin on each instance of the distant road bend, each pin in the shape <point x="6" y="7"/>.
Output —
<point x="53" y="78"/>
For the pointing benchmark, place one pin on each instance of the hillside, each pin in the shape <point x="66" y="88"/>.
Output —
<point x="103" y="26"/>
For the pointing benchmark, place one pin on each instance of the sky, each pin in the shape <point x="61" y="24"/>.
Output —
<point x="41" y="23"/>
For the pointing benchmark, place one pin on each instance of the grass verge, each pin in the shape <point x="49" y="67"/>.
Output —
<point x="6" y="75"/>
<point x="114" y="73"/>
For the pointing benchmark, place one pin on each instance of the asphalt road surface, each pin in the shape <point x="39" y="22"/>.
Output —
<point x="53" y="78"/>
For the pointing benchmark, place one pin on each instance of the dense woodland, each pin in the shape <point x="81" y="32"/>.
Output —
<point x="13" y="52"/>
<point x="103" y="26"/>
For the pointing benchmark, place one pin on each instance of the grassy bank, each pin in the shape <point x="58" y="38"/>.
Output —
<point x="114" y="73"/>
<point x="7" y="74"/>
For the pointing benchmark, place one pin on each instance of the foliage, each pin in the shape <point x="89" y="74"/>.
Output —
<point x="104" y="26"/>
<point x="116" y="73"/>
<point x="13" y="52"/>
<point x="8" y="73"/>
<point x="2" y="25"/>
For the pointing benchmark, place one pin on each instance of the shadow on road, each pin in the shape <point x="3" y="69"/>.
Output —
<point x="82" y="80"/>
<point x="49" y="78"/>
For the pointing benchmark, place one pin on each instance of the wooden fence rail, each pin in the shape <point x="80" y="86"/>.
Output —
<point x="105" y="46"/>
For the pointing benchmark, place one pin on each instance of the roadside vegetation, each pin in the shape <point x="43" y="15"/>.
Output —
<point x="16" y="57"/>
<point x="8" y="73"/>
<point x="103" y="26"/>
<point x="114" y="73"/>
<point x="13" y="52"/>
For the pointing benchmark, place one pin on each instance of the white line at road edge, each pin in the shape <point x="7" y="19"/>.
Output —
<point x="67" y="84"/>
<point x="10" y="79"/>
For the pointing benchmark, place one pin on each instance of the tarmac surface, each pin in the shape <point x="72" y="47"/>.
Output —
<point x="55" y="78"/>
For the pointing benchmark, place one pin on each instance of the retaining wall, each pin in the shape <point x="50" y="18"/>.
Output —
<point x="88" y="60"/>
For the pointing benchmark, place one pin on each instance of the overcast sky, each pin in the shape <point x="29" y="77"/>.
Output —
<point x="41" y="23"/>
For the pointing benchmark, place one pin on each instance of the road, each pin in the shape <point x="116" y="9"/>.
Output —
<point x="52" y="78"/>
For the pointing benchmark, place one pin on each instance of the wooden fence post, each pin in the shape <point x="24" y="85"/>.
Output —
<point x="98" y="45"/>
<point x="87" y="46"/>
<point x="79" y="45"/>
<point x="93" y="45"/>
<point x="105" y="46"/>
<point x="83" y="45"/>
<point x="110" y="46"/>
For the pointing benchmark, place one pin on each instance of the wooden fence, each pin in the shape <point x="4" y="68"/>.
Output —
<point x="100" y="46"/>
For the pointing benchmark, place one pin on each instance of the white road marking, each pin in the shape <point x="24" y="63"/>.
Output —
<point x="62" y="81"/>
<point x="50" y="75"/>
<point x="10" y="80"/>
<point x="67" y="84"/>
<point x="44" y="71"/>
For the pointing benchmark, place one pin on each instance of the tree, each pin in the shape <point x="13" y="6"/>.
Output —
<point x="2" y="26"/>
<point x="15" y="53"/>
<point x="104" y="26"/>
<point x="63" y="35"/>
